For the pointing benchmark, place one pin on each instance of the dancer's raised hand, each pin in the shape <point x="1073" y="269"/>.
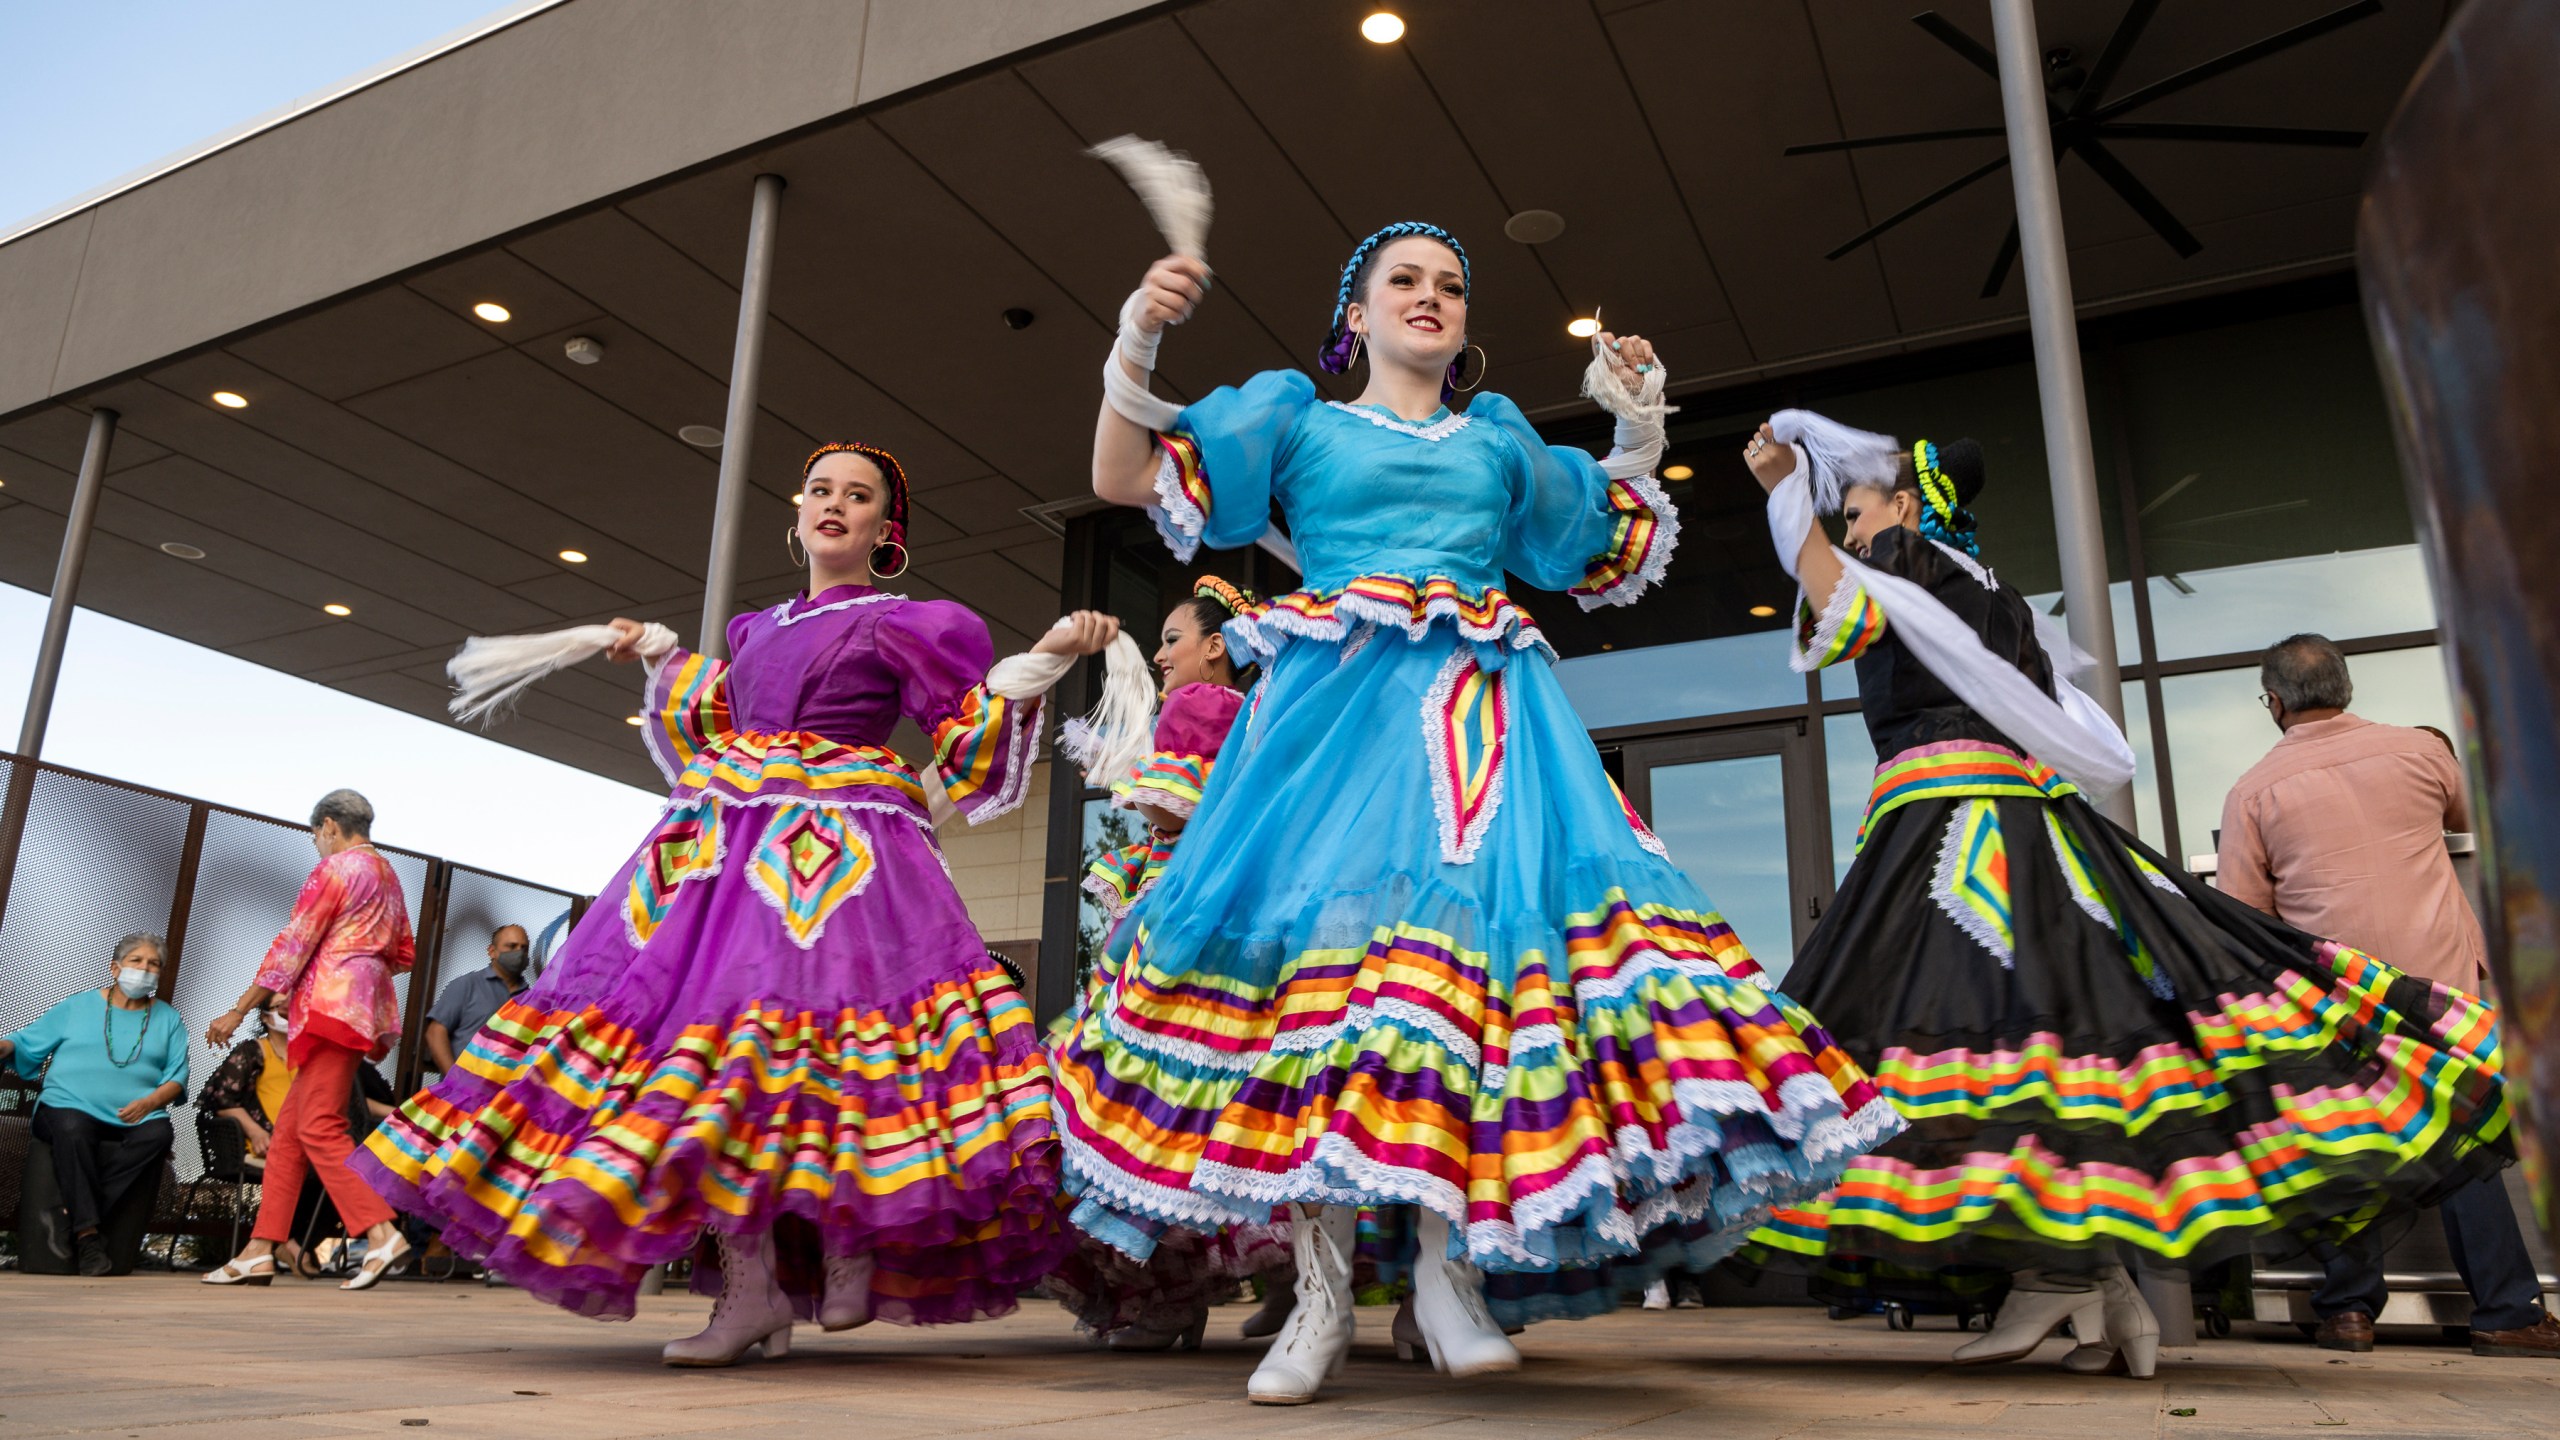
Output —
<point x="1085" y="632"/>
<point x="1624" y="353"/>
<point x="1172" y="290"/>
<point x="626" y="641"/>
<point x="1771" y="459"/>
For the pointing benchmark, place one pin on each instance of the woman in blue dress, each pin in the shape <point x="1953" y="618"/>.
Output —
<point x="1415" y="948"/>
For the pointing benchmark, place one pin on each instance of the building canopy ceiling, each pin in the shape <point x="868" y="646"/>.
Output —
<point x="424" y="467"/>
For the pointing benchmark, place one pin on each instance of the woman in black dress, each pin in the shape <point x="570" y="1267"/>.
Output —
<point x="2102" y="1059"/>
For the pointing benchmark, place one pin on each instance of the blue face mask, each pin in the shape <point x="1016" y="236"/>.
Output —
<point x="136" y="982"/>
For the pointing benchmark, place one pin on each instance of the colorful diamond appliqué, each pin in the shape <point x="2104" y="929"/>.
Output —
<point x="810" y="861"/>
<point x="688" y="842"/>
<point x="1467" y="729"/>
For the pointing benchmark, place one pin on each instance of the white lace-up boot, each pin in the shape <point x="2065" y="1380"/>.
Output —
<point x="2131" y="1345"/>
<point x="1312" y="1345"/>
<point x="2036" y="1307"/>
<point x="848" y="1294"/>
<point x="751" y="1313"/>
<point x="1448" y="1303"/>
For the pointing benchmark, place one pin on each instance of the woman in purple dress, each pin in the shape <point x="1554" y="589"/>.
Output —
<point x="777" y="1025"/>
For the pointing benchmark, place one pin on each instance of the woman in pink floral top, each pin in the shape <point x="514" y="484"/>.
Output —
<point x="335" y="960"/>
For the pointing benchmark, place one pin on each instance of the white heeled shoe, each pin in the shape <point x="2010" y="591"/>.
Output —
<point x="378" y="1260"/>
<point x="752" y="1313"/>
<point x="1280" y="1296"/>
<point x="848" y="1294"/>
<point x="2032" y="1312"/>
<point x="260" y="1271"/>
<point x="1312" y="1345"/>
<point x="1448" y="1303"/>
<point x="2131" y="1345"/>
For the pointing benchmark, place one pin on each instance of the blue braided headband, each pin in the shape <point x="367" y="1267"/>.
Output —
<point x="1941" y="518"/>
<point x="1335" y="357"/>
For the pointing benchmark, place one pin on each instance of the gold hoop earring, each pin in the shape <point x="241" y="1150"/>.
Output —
<point x="1484" y="362"/>
<point x="791" y="547"/>
<point x="879" y="574"/>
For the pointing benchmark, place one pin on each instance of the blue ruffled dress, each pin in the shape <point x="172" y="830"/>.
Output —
<point x="1415" y="947"/>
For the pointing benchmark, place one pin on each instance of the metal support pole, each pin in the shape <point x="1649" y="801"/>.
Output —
<point x="737" y="435"/>
<point x="2051" y="320"/>
<point x="66" y="581"/>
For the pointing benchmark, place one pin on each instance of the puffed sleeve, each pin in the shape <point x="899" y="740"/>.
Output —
<point x="687" y="709"/>
<point x="982" y="741"/>
<point x="1572" y="527"/>
<point x="1214" y="481"/>
<point x="1189" y="731"/>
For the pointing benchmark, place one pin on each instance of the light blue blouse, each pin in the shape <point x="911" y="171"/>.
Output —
<point x="75" y="1035"/>
<point x="1464" y="495"/>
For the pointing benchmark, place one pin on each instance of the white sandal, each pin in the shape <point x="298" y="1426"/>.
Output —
<point x="258" y="1271"/>
<point x="378" y="1259"/>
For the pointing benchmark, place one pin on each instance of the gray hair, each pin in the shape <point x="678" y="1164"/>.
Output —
<point x="136" y="941"/>
<point x="352" y="811"/>
<point x="2306" y="672"/>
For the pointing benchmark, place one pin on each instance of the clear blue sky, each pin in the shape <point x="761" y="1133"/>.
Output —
<point x="101" y="88"/>
<point x="95" y="91"/>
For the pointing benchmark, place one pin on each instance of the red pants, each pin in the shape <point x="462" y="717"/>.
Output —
<point x="311" y="1134"/>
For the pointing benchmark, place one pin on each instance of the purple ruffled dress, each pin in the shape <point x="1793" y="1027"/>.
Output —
<point x="777" y="1015"/>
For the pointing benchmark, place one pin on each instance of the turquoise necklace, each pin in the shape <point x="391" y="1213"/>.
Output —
<point x="139" y="1036"/>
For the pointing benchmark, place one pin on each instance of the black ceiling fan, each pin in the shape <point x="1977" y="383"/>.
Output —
<point x="2083" y="119"/>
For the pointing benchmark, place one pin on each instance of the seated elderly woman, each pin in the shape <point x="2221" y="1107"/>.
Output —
<point x="118" y="1060"/>
<point x="248" y="1089"/>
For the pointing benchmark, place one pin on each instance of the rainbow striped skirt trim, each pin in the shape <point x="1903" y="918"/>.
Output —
<point x="570" y="1157"/>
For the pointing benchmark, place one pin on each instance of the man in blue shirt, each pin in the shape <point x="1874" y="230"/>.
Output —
<point x="118" y="1062"/>
<point x="469" y="1000"/>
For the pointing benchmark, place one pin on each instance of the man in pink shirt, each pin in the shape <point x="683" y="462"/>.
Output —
<point x="2339" y="831"/>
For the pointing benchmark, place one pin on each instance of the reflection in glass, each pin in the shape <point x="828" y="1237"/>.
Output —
<point x="1106" y="828"/>
<point x="1849" y="768"/>
<point x="1672" y="682"/>
<point x="2344" y="596"/>
<point x="1725" y="823"/>
<point x="2217" y="729"/>
<point x="2268" y="488"/>
<point x="2120" y="612"/>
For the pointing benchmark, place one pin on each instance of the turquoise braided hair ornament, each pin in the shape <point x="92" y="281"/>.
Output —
<point x="1339" y="343"/>
<point x="1943" y="516"/>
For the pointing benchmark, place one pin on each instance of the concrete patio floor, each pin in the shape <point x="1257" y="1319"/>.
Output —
<point x="160" y="1356"/>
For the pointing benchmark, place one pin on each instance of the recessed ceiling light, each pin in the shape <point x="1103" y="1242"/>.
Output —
<point x="337" y="609"/>
<point x="702" y="435"/>
<point x="1017" y="318"/>
<point x="1534" y="227"/>
<point x="1382" y="28"/>
<point x="181" y="549"/>
<point x="796" y="499"/>
<point x="630" y="719"/>
<point x="1763" y="612"/>
<point x="230" y="400"/>
<point x="1677" y="472"/>
<point x="574" y="557"/>
<point x="1583" y="328"/>
<point x="493" y="312"/>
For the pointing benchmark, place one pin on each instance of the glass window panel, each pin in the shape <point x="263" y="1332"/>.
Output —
<point x="1725" y="823"/>
<point x="2119" y="609"/>
<point x="2217" y="729"/>
<point x="1672" y="682"/>
<point x="2146" y="765"/>
<point x="1849" y="770"/>
<point x="2258" y="444"/>
<point x="1106" y="828"/>
<point x="2234" y="608"/>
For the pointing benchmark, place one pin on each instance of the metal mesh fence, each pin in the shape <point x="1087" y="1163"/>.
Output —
<point x="84" y="861"/>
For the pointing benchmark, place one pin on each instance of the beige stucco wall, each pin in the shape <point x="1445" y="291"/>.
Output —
<point x="999" y="865"/>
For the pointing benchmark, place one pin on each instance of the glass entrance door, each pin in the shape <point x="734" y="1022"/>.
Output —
<point x="1741" y="812"/>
